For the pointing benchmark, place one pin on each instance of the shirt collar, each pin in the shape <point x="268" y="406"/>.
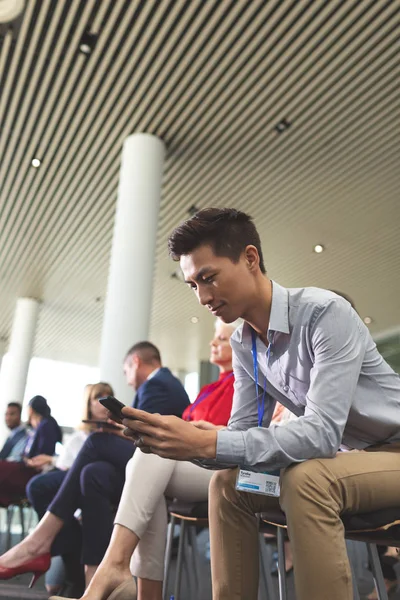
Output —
<point x="279" y="317"/>
<point x="16" y="430"/>
<point x="153" y="373"/>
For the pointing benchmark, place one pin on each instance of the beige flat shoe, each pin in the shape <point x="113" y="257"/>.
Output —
<point x="125" y="591"/>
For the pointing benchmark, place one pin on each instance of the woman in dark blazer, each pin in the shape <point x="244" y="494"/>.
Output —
<point x="43" y="439"/>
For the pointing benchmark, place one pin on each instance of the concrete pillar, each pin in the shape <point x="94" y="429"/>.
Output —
<point x="3" y="347"/>
<point x="15" y="369"/>
<point x="181" y="375"/>
<point x="130" y="280"/>
<point x="208" y="373"/>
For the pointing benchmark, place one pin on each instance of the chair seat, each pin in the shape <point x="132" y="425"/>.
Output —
<point x="189" y="510"/>
<point x="377" y="519"/>
<point x="24" y="502"/>
<point x="379" y="527"/>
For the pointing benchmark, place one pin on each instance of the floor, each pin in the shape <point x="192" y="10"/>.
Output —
<point x="18" y="587"/>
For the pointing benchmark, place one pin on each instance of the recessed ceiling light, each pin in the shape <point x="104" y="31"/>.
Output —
<point x="194" y="320"/>
<point x="88" y="42"/>
<point x="282" y="126"/>
<point x="36" y="162"/>
<point x="85" y="48"/>
<point x="368" y="320"/>
<point x="10" y="10"/>
<point x="319" y="248"/>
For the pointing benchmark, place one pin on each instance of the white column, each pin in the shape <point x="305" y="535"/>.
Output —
<point x="130" y="280"/>
<point x="16" y="366"/>
<point x="181" y="375"/>
<point x="3" y="346"/>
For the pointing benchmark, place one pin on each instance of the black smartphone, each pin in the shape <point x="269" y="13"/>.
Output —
<point x="113" y="405"/>
<point x="101" y="424"/>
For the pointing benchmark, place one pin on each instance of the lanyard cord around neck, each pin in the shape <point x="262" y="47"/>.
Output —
<point x="260" y="401"/>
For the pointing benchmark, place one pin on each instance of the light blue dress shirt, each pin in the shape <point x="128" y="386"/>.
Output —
<point x="325" y="368"/>
<point x="17" y="451"/>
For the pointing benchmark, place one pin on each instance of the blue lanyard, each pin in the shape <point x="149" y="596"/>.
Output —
<point x="260" y="403"/>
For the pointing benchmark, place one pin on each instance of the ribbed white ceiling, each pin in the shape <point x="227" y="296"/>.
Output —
<point x="212" y="79"/>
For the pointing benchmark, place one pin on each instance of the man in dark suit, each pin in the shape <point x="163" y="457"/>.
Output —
<point x="95" y="481"/>
<point x="15" y="443"/>
<point x="158" y="391"/>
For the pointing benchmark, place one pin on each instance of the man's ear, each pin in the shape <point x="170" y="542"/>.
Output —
<point x="252" y="258"/>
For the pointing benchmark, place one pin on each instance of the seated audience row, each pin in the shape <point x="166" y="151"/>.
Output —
<point x="95" y="480"/>
<point x="317" y="358"/>
<point x="42" y="438"/>
<point x="138" y="542"/>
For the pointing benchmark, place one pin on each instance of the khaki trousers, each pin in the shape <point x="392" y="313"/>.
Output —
<point x="313" y="495"/>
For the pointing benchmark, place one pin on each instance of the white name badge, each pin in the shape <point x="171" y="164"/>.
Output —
<point x="258" y="483"/>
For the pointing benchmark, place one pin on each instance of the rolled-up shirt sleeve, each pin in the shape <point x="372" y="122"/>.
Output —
<point x="337" y="340"/>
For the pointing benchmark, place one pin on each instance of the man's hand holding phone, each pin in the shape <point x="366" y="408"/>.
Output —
<point x="116" y="416"/>
<point x="168" y="436"/>
<point x="114" y="408"/>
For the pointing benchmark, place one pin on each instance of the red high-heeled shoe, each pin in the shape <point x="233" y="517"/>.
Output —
<point x="37" y="566"/>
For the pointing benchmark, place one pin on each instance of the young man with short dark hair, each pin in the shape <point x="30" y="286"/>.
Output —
<point x="308" y="349"/>
<point x="15" y="443"/>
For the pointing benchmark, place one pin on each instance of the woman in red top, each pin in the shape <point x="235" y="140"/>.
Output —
<point x="141" y="522"/>
<point x="214" y="402"/>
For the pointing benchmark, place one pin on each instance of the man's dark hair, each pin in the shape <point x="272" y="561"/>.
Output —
<point x="228" y="231"/>
<point x="147" y="351"/>
<point x="15" y="405"/>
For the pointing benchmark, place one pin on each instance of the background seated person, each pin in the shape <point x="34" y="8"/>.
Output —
<point x="94" y="482"/>
<point x="43" y="437"/>
<point x="141" y="522"/>
<point x="15" y="443"/>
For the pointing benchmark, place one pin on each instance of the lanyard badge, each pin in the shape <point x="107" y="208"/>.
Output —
<point x="252" y="481"/>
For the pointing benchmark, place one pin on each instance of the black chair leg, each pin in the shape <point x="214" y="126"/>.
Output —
<point x="10" y="513"/>
<point x="168" y="556"/>
<point x="266" y="587"/>
<point x="196" y="578"/>
<point x="377" y="571"/>
<point x="179" y="565"/>
<point x="281" y="564"/>
<point x="22" y="520"/>
<point x="356" y="595"/>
